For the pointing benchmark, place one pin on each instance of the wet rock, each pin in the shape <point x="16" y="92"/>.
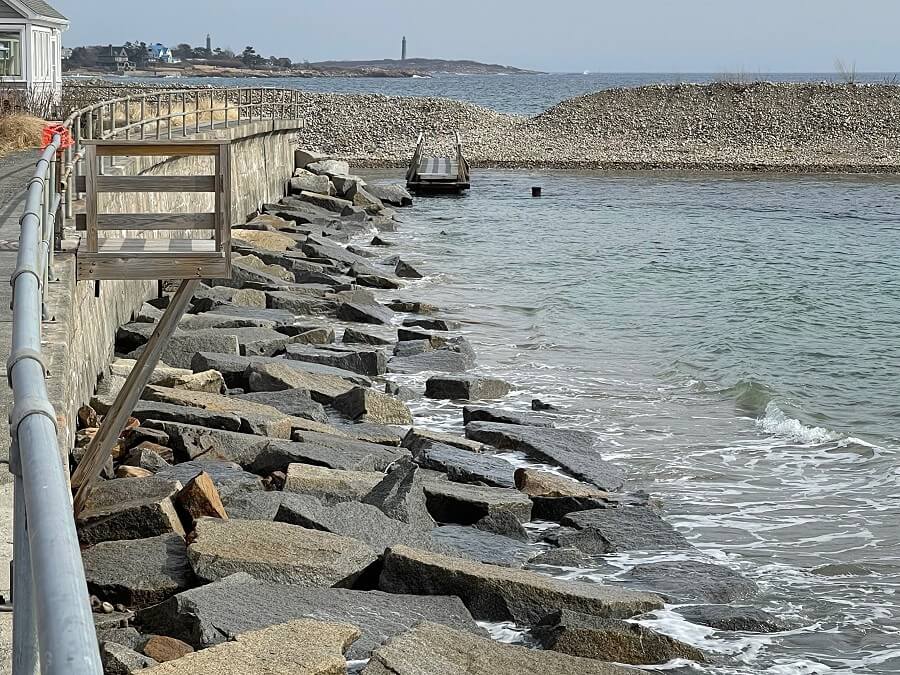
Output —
<point x="329" y="167"/>
<point x="162" y="649"/>
<point x="464" y="466"/>
<point x="411" y="307"/>
<point x="419" y="438"/>
<point x="352" y="336"/>
<point x="275" y="651"/>
<point x="360" y="313"/>
<point x="631" y="528"/>
<point x="467" y="387"/>
<point x="376" y="281"/>
<point x="494" y="593"/>
<point x="538" y="404"/>
<point x="431" y="324"/>
<point x="276" y="552"/>
<point x="293" y="402"/>
<point x="401" y="496"/>
<point x="556" y="508"/>
<point x="687" y="581"/>
<point x="503" y="523"/>
<point x="467" y="504"/>
<point x="434" y="340"/>
<point x="353" y="519"/>
<point x="486" y="547"/>
<point x="412" y="348"/>
<point x="406" y="271"/>
<point x="399" y="391"/>
<point x="482" y="414"/>
<point x="378" y="241"/>
<point x="438" y="650"/>
<point x="120" y="660"/>
<point x="368" y="405"/>
<point x="574" y="451"/>
<point x="200" y="498"/>
<point x="456" y="356"/>
<point x="843" y="570"/>
<point x="330" y="486"/>
<point x="129" y="508"/>
<point x="565" y="557"/>
<point x="362" y="360"/>
<point x="728" y="618"/>
<point x="395" y="195"/>
<point x="593" y="637"/>
<point x="214" y="613"/>
<point x="138" y="572"/>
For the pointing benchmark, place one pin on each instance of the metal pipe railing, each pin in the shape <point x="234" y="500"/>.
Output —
<point x="53" y="628"/>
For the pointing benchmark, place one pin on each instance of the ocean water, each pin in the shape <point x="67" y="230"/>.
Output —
<point x="733" y="340"/>
<point x="513" y="94"/>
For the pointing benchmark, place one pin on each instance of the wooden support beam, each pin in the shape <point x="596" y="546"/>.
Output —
<point x="149" y="221"/>
<point x="100" y="449"/>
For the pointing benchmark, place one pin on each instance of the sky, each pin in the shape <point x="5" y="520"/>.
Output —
<point x="677" y="36"/>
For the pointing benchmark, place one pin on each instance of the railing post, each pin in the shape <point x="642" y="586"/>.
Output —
<point x="169" y="116"/>
<point x="25" y="641"/>
<point x="196" y="112"/>
<point x="127" y="118"/>
<point x="143" y="114"/>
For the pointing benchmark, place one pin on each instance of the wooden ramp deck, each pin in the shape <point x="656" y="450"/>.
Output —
<point x="437" y="174"/>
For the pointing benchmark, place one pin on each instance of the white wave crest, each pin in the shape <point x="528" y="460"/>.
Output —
<point x="775" y="422"/>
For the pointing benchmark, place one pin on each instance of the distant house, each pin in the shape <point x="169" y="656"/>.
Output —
<point x="159" y="53"/>
<point x="31" y="47"/>
<point x="114" y="58"/>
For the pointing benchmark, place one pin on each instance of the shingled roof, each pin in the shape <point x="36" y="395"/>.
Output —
<point x="42" y="8"/>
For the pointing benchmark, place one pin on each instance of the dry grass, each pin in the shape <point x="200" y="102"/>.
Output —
<point x="20" y="132"/>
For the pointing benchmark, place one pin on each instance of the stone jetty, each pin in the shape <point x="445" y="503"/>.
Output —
<point x="274" y="505"/>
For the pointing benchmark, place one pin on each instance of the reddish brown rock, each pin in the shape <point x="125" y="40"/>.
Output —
<point x="200" y="498"/>
<point x="161" y="648"/>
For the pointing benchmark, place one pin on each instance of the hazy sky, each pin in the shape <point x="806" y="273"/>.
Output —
<point x="679" y="36"/>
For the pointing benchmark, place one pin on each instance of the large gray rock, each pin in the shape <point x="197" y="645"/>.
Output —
<point x="431" y="323"/>
<point x="334" y="204"/>
<point x="293" y="402"/>
<point x="406" y="271"/>
<point x="352" y="519"/>
<point x="323" y="388"/>
<point x="361" y="197"/>
<point x="253" y="505"/>
<point x="467" y="504"/>
<point x="353" y="336"/>
<point x="485" y="547"/>
<point x="129" y="508"/>
<point x="630" y="528"/>
<point x="169" y="412"/>
<point x="465" y="387"/>
<point x="276" y="552"/>
<point x="456" y="357"/>
<point x="311" y="183"/>
<point x="364" y="313"/>
<point x="464" y="466"/>
<point x="343" y="184"/>
<point x="332" y="452"/>
<point x="495" y="593"/>
<point x="214" y="613"/>
<point x="181" y="347"/>
<point x="594" y="637"/>
<point x="481" y="414"/>
<point x="437" y="650"/>
<point x="419" y="438"/>
<point x="362" y="360"/>
<point x="685" y="581"/>
<point x="330" y="486"/>
<point x="574" y="451"/>
<point x="367" y="405"/>
<point x="235" y="368"/>
<point x="503" y="523"/>
<point x="194" y="441"/>
<point x="329" y="167"/>
<point x="729" y="618"/>
<point x="401" y="496"/>
<point x="138" y="572"/>
<point x="394" y="194"/>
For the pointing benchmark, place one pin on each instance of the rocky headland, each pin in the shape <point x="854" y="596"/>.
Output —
<point x="274" y="505"/>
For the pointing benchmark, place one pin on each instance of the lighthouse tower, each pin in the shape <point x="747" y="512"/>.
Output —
<point x="403" y="53"/>
<point x="209" y="43"/>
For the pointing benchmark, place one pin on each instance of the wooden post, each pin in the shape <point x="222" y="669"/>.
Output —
<point x="113" y="424"/>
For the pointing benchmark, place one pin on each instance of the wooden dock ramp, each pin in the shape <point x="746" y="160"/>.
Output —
<point x="438" y="174"/>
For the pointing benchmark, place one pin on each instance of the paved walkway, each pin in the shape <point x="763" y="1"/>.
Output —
<point x="14" y="173"/>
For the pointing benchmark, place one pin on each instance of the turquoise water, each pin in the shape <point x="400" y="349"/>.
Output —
<point x="733" y="339"/>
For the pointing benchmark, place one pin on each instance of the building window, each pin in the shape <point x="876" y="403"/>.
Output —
<point x="10" y="54"/>
<point x="41" y="55"/>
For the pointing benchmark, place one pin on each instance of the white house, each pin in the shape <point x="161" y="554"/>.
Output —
<point x="31" y="47"/>
<point x="159" y="53"/>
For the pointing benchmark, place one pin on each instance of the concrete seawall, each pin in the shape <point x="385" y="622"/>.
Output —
<point x="79" y="343"/>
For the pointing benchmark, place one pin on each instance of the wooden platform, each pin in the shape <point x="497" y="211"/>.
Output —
<point x="437" y="174"/>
